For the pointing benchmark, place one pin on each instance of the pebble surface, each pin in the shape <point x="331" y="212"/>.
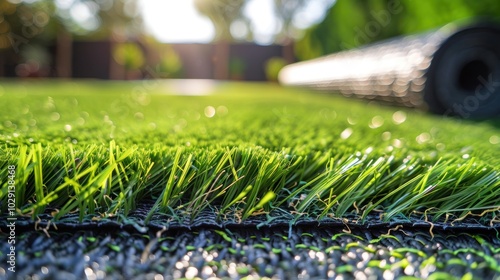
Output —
<point x="301" y="252"/>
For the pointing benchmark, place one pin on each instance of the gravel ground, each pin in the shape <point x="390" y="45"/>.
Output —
<point x="300" y="252"/>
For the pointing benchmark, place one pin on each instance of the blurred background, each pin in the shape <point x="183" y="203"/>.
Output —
<point x="203" y="39"/>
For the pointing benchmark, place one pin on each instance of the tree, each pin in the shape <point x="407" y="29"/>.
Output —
<point x="101" y="18"/>
<point x="38" y="24"/>
<point x="286" y="11"/>
<point x="114" y="20"/>
<point x="25" y="28"/>
<point x="222" y="13"/>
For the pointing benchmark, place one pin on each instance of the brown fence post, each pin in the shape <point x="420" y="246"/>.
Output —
<point x="221" y="60"/>
<point x="64" y="54"/>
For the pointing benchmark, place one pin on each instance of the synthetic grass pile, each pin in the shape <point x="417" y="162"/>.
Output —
<point x="111" y="181"/>
<point x="100" y="148"/>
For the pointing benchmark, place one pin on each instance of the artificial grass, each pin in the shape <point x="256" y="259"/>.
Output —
<point x="100" y="148"/>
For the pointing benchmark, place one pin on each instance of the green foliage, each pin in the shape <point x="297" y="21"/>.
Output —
<point x="129" y="55"/>
<point x="170" y="62"/>
<point x="246" y="150"/>
<point x="237" y="68"/>
<point x="273" y="67"/>
<point x="42" y="21"/>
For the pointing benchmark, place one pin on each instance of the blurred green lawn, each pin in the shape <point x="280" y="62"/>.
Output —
<point x="251" y="114"/>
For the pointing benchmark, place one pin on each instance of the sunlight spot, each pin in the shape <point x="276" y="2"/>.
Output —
<point x="107" y="120"/>
<point x="376" y="122"/>
<point x="80" y="121"/>
<point x="207" y="271"/>
<point x="494" y="139"/>
<point x="232" y="269"/>
<point x="312" y="254"/>
<point x="465" y="156"/>
<point x="346" y="133"/>
<point x="139" y="115"/>
<point x="397" y="143"/>
<point x="320" y="256"/>
<point x="239" y="29"/>
<point x="67" y="127"/>
<point x="423" y="138"/>
<point x="440" y="146"/>
<point x="409" y="270"/>
<point x="360" y="275"/>
<point x="49" y="104"/>
<point x="222" y="110"/>
<point x="90" y="273"/>
<point x="55" y="116"/>
<point x="84" y="14"/>
<point x="190" y="25"/>
<point x="399" y="117"/>
<point x="209" y="111"/>
<point x="351" y="121"/>
<point x="100" y="274"/>
<point x="386" y="136"/>
<point x="388" y="274"/>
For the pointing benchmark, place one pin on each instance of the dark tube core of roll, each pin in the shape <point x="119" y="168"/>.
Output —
<point x="468" y="77"/>
<point x="464" y="77"/>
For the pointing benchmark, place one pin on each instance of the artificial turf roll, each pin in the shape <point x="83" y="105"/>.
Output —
<point x="454" y="70"/>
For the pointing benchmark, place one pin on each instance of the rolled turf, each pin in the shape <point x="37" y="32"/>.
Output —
<point x="88" y="153"/>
